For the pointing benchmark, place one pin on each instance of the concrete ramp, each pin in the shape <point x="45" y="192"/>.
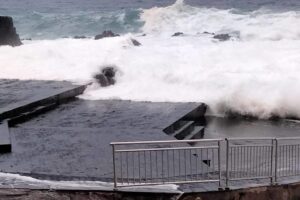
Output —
<point x="20" y="112"/>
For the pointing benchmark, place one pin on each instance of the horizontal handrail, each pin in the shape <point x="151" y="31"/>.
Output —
<point x="165" y="141"/>
<point x="254" y="158"/>
<point x="170" y="148"/>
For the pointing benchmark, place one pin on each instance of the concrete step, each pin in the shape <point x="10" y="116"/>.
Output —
<point x="23" y="117"/>
<point x="197" y="133"/>
<point x="184" y="131"/>
<point x="170" y="130"/>
<point x="5" y="143"/>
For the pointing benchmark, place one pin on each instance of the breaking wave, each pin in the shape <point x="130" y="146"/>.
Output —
<point x="256" y="72"/>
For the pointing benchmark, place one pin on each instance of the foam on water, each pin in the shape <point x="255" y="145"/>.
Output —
<point x="255" y="73"/>
<point x="16" y="179"/>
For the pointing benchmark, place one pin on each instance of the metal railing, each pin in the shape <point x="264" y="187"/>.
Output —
<point x="205" y="160"/>
<point x="249" y="159"/>
<point x="287" y="159"/>
<point x="162" y="162"/>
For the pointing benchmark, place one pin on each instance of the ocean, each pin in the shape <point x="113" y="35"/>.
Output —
<point x="255" y="72"/>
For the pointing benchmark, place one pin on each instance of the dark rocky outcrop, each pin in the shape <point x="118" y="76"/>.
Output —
<point x="80" y="37"/>
<point x="105" y="34"/>
<point x="135" y="42"/>
<point x="8" y="34"/>
<point x="205" y="32"/>
<point x="177" y="34"/>
<point x="107" y="76"/>
<point x="222" y="37"/>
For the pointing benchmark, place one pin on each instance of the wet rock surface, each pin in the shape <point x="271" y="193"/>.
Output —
<point x="135" y="42"/>
<point x="80" y="37"/>
<point x="107" y="76"/>
<point x="8" y="34"/>
<point x="177" y="34"/>
<point x="222" y="37"/>
<point x="106" y="34"/>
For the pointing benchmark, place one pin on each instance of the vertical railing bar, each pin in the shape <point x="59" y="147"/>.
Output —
<point x="213" y="160"/>
<point x="145" y="161"/>
<point x="114" y="166"/>
<point x="289" y="160"/>
<point x="121" y="160"/>
<point x="133" y="174"/>
<point x="286" y="160"/>
<point x="247" y="162"/>
<point x="174" y="170"/>
<point x="231" y="160"/>
<point x="139" y="160"/>
<point x="202" y="165"/>
<point x="127" y="169"/>
<point x="298" y="159"/>
<point x="208" y="164"/>
<point x="292" y="171"/>
<point x="191" y="171"/>
<point x="197" y="160"/>
<point x="185" y="172"/>
<point x="227" y="161"/>
<point x="168" y="170"/>
<point x="162" y="166"/>
<point x="276" y="161"/>
<point x="156" y="163"/>
<point x="272" y="158"/>
<point x="179" y="160"/>
<point x="219" y="163"/>
<point x="151" y="173"/>
<point x="241" y="164"/>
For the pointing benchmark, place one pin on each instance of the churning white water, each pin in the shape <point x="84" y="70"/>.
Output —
<point x="256" y="72"/>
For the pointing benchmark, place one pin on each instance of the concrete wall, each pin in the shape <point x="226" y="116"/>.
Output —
<point x="26" y="194"/>
<point x="279" y="192"/>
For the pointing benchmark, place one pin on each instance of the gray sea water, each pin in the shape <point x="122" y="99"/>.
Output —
<point x="48" y="19"/>
<point x="255" y="72"/>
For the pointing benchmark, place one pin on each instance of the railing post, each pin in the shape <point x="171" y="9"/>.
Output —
<point x="219" y="163"/>
<point x="114" y="166"/>
<point x="276" y="161"/>
<point x="272" y="160"/>
<point x="227" y="164"/>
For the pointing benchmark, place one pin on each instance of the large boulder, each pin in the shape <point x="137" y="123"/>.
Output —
<point x="177" y="34"/>
<point x="8" y="34"/>
<point x="135" y="42"/>
<point x="105" y="34"/>
<point x="222" y="37"/>
<point x="107" y="76"/>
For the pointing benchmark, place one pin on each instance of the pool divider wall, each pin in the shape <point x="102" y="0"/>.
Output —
<point x="5" y="143"/>
<point x="19" y="113"/>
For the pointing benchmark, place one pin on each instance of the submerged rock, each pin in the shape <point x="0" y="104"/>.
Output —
<point x="80" y="37"/>
<point x="8" y="34"/>
<point x="135" y="42"/>
<point x="107" y="76"/>
<point x="222" y="37"/>
<point x="105" y="34"/>
<point x="177" y="34"/>
<point x="209" y="33"/>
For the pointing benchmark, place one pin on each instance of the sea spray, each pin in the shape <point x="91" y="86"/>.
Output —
<point x="255" y="73"/>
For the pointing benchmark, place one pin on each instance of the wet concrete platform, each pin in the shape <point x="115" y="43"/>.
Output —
<point x="72" y="142"/>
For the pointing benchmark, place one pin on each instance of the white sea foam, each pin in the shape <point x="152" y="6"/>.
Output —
<point x="16" y="179"/>
<point x="256" y="73"/>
